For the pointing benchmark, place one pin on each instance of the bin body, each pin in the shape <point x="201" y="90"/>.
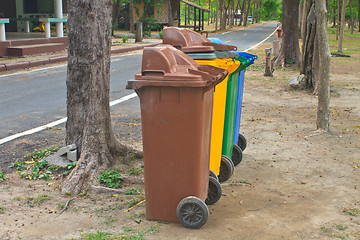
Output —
<point x="176" y="145"/>
<point x="176" y="98"/>
<point x="229" y="122"/>
<point x="239" y="98"/>
<point x="246" y="59"/>
<point x="218" y="116"/>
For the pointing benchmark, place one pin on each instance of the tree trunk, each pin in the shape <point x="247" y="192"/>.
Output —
<point x="323" y="113"/>
<point x="258" y="11"/>
<point x="351" y="17"/>
<point x="309" y="46"/>
<point x="342" y="26"/>
<point x="305" y="12"/>
<point x="242" y="12"/>
<point x="359" y="14"/>
<point x="88" y="89"/>
<point x="169" y="11"/>
<point x="290" y="50"/>
<point x="334" y="13"/>
<point x="247" y="13"/>
<point x="216" y="15"/>
<point x="338" y="19"/>
<point x="209" y="13"/>
<point x="300" y="17"/>
<point x="222" y="14"/>
<point x="131" y="16"/>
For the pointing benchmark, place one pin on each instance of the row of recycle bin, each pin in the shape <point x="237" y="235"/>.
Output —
<point x="190" y="91"/>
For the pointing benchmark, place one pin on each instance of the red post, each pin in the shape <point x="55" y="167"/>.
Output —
<point x="279" y="32"/>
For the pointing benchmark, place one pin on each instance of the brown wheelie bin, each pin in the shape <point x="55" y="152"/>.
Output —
<point x="176" y="96"/>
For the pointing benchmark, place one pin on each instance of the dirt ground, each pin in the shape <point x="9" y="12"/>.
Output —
<point x="293" y="183"/>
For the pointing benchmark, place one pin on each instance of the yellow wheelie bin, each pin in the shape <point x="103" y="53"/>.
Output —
<point x="218" y="116"/>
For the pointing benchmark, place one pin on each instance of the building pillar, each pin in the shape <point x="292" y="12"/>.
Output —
<point x="59" y="14"/>
<point x="27" y="26"/>
<point x="47" y="29"/>
<point x="2" y="28"/>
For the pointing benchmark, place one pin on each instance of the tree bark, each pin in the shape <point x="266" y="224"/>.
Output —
<point x="247" y="13"/>
<point x="305" y="12"/>
<point x="342" y="26"/>
<point x="300" y="17"/>
<point x="131" y="16"/>
<point x="334" y="13"/>
<point x="88" y="91"/>
<point x="290" y="50"/>
<point x="216" y="15"/>
<point x="222" y="14"/>
<point x="338" y="19"/>
<point x="359" y="14"/>
<point x="351" y="17"/>
<point x="309" y="50"/>
<point x="242" y="12"/>
<point x="323" y="113"/>
<point x="169" y="11"/>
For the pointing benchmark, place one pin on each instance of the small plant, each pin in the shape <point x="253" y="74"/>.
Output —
<point x="2" y="176"/>
<point x="68" y="168"/>
<point x="19" y="166"/>
<point x="111" y="178"/>
<point x="35" y="166"/>
<point x="290" y="62"/>
<point x="41" y="154"/>
<point x="136" y="171"/>
<point x="125" y="39"/>
<point x="2" y="209"/>
<point x="133" y="191"/>
<point x="161" y="34"/>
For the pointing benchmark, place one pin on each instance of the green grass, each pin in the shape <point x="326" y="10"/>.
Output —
<point x="352" y="211"/>
<point x="135" y="200"/>
<point x="128" y="234"/>
<point x="32" y="201"/>
<point x="351" y="42"/>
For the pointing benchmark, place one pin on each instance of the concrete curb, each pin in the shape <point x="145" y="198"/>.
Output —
<point x="35" y="63"/>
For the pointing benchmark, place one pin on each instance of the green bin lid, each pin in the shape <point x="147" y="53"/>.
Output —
<point x="244" y="63"/>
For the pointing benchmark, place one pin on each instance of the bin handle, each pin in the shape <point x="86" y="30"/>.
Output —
<point x="217" y="75"/>
<point x="153" y="73"/>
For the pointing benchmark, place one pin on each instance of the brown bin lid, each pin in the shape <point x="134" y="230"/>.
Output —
<point x="189" y="41"/>
<point x="164" y="65"/>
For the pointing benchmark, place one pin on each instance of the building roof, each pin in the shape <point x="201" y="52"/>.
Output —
<point x="195" y="5"/>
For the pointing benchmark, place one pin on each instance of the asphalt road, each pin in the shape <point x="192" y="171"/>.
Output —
<point x="32" y="99"/>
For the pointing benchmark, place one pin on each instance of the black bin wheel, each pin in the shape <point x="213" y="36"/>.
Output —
<point x="236" y="155"/>
<point x="214" y="191"/>
<point x="192" y="212"/>
<point x="242" y="142"/>
<point x="226" y="169"/>
<point x="212" y="174"/>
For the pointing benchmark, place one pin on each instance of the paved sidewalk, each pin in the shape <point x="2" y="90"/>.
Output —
<point x="10" y="64"/>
